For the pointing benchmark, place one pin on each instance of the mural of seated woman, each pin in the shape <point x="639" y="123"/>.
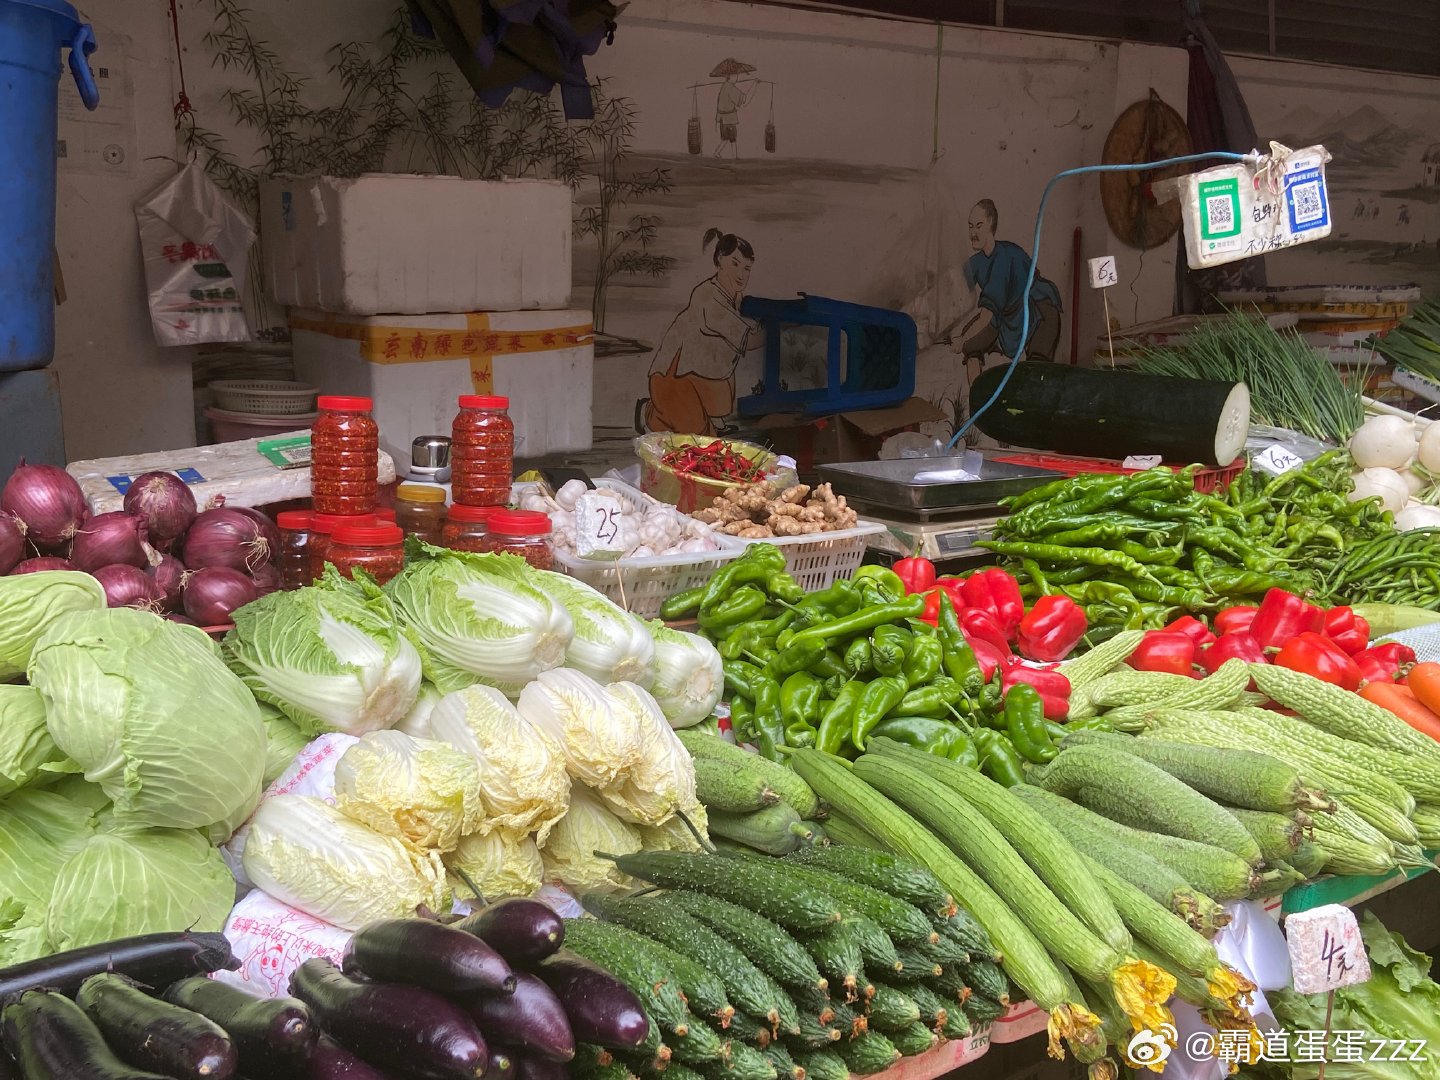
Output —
<point x="692" y="375"/>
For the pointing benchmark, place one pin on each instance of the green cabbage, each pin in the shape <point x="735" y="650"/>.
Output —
<point x="479" y="618"/>
<point x="610" y="644"/>
<point x="688" y="676"/>
<point x="662" y="780"/>
<point x="283" y="740"/>
<point x="39" y="831"/>
<point x="522" y="773"/>
<point x="586" y="828"/>
<point x="27" y="752"/>
<point x="28" y="603"/>
<point x="149" y="711"/>
<point x="307" y="854"/>
<point x="331" y="657"/>
<point x="498" y="863"/>
<point x="422" y="791"/>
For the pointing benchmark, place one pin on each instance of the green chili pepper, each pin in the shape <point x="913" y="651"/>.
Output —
<point x="1056" y="491"/>
<point x="769" y="725"/>
<point x="879" y="698"/>
<point x="923" y="662"/>
<point x="780" y="585"/>
<point x="834" y="684"/>
<point x="762" y="654"/>
<point x="879" y="579"/>
<point x="739" y="607"/>
<point x="800" y="699"/>
<point x="889" y="646"/>
<point x="1055" y="732"/>
<point x="998" y="759"/>
<point x="682" y="603"/>
<point x="865" y="619"/>
<point x="964" y="752"/>
<point x="758" y="562"/>
<point x="797" y="656"/>
<point x="838" y="721"/>
<point x="837" y="600"/>
<point x="831" y="663"/>
<point x="1245" y="582"/>
<point x="929" y="700"/>
<point x="1165" y="511"/>
<point x="800" y="737"/>
<point x="1025" y="723"/>
<point x="740" y="678"/>
<point x="1036" y="575"/>
<point x="933" y="736"/>
<point x="744" y="639"/>
<point x="742" y="718"/>
<point x="785" y="637"/>
<point x="958" y="658"/>
<point x="1092" y="556"/>
<point x="858" y="656"/>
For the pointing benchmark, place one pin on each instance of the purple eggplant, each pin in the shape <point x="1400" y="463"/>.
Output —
<point x="152" y="959"/>
<point x="601" y="1009"/>
<point x="156" y="1035"/>
<point x="522" y="931"/>
<point x="428" y="954"/>
<point x="502" y="1065"/>
<point x="275" y="1036"/>
<point x="53" y="1040"/>
<point x="530" y="1019"/>
<point x="331" y="1061"/>
<point x="393" y="1025"/>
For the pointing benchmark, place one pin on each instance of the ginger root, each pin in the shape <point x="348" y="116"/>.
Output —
<point x="756" y="512"/>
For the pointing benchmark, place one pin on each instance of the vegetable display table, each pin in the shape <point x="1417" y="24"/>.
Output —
<point x="941" y="1060"/>
<point x="1347" y="890"/>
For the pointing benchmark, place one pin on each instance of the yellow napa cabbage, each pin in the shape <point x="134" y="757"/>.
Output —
<point x="424" y="792"/>
<point x="601" y="743"/>
<point x="586" y="828"/>
<point x="498" y="863"/>
<point x="662" y="780"/>
<point x="674" y="835"/>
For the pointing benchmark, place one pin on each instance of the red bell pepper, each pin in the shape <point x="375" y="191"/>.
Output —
<point x="979" y="625"/>
<point x="1384" y="663"/>
<point x="994" y="591"/>
<point x="950" y="586"/>
<point x="1052" y="686"/>
<point x="1051" y="628"/>
<point x="1318" y="656"/>
<point x="987" y="656"/>
<point x="916" y="573"/>
<point x="1347" y="630"/>
<point x="1235" y="619"/>
<point x="1194" y="629"/>
<point x="1164" y="650"/>
<point x="1237" y="645"/>
<point x="1282" y="616"/>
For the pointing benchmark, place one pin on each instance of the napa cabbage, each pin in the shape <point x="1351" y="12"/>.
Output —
<point x="498" y="864"/>
<point x="662" y="779"/>
<point x="599" y="742"/>
<point x="424" y="792"/>
<point x="586" y="828"/>
<point x="688" y="677"/>
<point x="610" y="644"/>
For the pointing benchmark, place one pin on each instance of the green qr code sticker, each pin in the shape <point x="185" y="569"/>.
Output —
<point x="1219" y="209"/>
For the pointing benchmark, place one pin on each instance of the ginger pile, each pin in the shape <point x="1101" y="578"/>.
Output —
<point x="756" y="513"/>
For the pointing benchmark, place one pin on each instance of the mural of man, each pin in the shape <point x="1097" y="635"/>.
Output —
<point x="692" y="375"/>
<point x="732" y="96"/>
<point x="996" y="272"/>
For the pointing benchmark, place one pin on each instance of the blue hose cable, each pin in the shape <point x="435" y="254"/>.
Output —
<point x="1215" y="155"/>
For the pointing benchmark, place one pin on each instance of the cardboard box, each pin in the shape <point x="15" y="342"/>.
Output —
<point x="847" y="436"/>
<point x="381" y="244"/>
<point x="416" y="366"/>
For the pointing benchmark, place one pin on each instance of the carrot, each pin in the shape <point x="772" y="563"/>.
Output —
<point x="1424" y="682"/>
<point x="1401" y="701"/>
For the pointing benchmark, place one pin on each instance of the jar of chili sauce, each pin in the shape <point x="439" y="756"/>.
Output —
<point x="482" y="451"/>
<point x="344" y="462"/>
<point x="297" y="568"/>
<point x="377" y="548"/>
<point x="522" y="532"/>
<point x="466" y="528"/>
<point x="322" y="533"/>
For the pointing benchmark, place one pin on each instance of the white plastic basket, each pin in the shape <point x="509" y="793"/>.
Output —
<point x="816" y="561"/>
<point x="264" y="397"/>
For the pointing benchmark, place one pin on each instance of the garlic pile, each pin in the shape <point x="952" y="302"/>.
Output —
<point x="646" y="529"/>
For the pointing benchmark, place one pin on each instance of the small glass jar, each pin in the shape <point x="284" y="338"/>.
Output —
<point x="296" y="567"/>
<point x="322" y="529"/>
<point x="466" y="528"/>
<point x="420" y="511"/>
<point x="482" y="451"/>
<point x="377" y="548"/>
<point x="344" y="462"/>
<point x="522" y="532"/>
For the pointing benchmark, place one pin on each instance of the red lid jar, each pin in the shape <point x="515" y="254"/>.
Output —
<point x="322" y="530"/>
<point x="466" y="528"/>
<point x="521" y="532"/>
<point x="378" y="548"/>
<point x="482" y="451"/>
<point x="344" y="456"/>
<point x="296" y="567"/>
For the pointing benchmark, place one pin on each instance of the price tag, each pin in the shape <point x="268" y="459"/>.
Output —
<point x="1142" y="461"/>
<point x="1276" y="460"/>
<point x="1326" y="951"/>
<point x="597" y="526"/>
<point x="1103" y="272"/>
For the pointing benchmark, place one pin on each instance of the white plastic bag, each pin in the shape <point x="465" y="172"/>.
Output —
<point x="196" y="246"/>
<point x="271" y="940"/>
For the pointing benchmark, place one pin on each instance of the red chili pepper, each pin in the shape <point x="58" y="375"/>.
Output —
<point x="1282" y="616"/>
<point x="1237" y="645"/>
<point x="994" y="591"/>
<point x="1052" y="686"/>
<point x="1194" y="629"/>
<point x="917" y="574"/>
<point x="1235" y="619"/>
<point x="1384" y="663"/>
<point x="931" y="614"/>
<point x="978" y="624"/>
<point x="1318" y="656"/>
<point x="1347" y="630"/>
<point x="1164" y="650"/>
<point x="1051" y="628"/>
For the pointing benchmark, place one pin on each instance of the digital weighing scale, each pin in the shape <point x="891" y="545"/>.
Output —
<point x="940" y="520"/>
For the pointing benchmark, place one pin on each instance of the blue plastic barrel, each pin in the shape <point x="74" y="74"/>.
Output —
<point x="33" y="33"/>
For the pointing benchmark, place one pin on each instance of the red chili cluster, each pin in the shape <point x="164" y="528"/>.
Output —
<point x="714" y="461"/>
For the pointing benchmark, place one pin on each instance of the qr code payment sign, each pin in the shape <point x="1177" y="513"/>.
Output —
<point x="1220" y="214"/>
<point x="1308" y="205"/>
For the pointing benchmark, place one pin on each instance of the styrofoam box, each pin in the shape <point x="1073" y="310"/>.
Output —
<point x="383" y="243"/>
<point x="416" y="366"/>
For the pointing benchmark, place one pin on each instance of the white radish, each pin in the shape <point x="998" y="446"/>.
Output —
<point x="1418" y="516"/>
<point x="1430" y="448"/>
<point x="1387" y="485"/>
<point x="1383" y="442"/>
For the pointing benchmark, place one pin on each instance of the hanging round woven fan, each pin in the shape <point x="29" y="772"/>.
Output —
<point x="1148" y="130"/>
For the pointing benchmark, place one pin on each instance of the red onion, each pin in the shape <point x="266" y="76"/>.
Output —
<point x="226" y="537"/>
<point x="40" y="565"/>
<point x="47" y="499"/>
<point x="169" y="574"/>
<point x="129" y="586"/>
<point x="268" y="529"/>
<point x="266" y="578"/>
<point x="12" y="542"/>
<point x="164" y="502"/>
<point x="183" y="620"/>
<point x="212" y="594"/>
<point x="116" y="538"/>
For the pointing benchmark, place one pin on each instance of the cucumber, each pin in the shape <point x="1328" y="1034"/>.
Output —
<point x="721" y="787"/>
<point x="891" y="1009"/>
<point x="868" y="1054"/>
<point x="877" y="951"/>
<point x="933" y="1011"/>
<point x="697" y="1046"/>
<point x="787" y="784"/>
<point x="982" y="1010"/>
<point x="837" y="953"/>
<point x="914" y="967"/>
<point x="767" y="886"/>
<point x="764" y="943"/>
<point x="880" y="870"/>
<point x="987" y="980"/>
<point x="641" y="969"/>
<point x="784" y="1065"/>
<point x="957" y="1022"/>
<point x="814" y="1034"/>
<point x="704" y="991"/>
<point x="913" y="1039"/>
<point x="964" y="931"/>
<point x="773" y="830"/>
<point x="746" y="1028"/>
<point x="823" y="1065"/>
<point x="740" y="1062"/>
<point x="944" y="951"/>
<point x="816" y="1002"/>
<point x="951" y="985"/>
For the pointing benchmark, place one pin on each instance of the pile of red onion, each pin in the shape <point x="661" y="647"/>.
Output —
<point x="160" y="553"/>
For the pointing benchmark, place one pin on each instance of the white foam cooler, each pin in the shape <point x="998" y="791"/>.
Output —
<point x="416" y="366"/>
<point x="386" y="243"/>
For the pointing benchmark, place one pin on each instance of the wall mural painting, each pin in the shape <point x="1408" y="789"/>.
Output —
<point x="735" y="90"/>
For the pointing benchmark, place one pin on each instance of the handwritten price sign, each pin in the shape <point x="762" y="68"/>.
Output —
<point x="1276" y="460"/>
<point x="597" y="526"/>
<point x="1326" y="951"/>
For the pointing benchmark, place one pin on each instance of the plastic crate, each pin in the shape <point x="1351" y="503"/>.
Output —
<point x="1207" y="481"/>
<point x="264" y="397"/>
<point x="816" y="561"/>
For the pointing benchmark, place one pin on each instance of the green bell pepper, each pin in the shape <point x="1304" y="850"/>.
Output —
<point x="923" y="662"/>
<point x="879" y="698"/>
<point x="1025" y="723"/>
<point x="922" y="732"/>
<point x="838" y="720"/>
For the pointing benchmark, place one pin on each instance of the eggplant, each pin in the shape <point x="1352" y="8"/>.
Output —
<point x="528" y="1068"/>
<point x="601" y="1009"/>
<point x="429" y="954"/>
<point x="151" y="959"/>
<point x="331" y="1061"/>
<point x="530" y="1019"/>
<point x="274" y="1036"/>
<point x="522" y="931"/>
<point x="156" y="1035"/>
<point x="502" y="1064"/>
<point x="394" y="1025"/>
<point x="53" y="1040"/>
